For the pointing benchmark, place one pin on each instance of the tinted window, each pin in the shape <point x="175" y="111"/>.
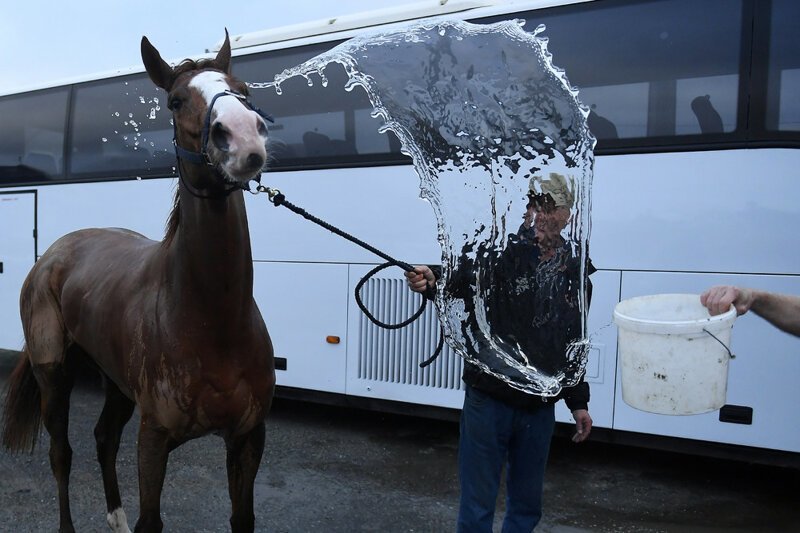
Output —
<point x="316" y="125"/>
<point x="121" y="128"/>
<point x="650" y="69"/>
<point x="783" y="82"/>
<point x="32" y="137"/>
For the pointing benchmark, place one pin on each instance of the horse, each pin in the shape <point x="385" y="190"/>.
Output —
<point x="172" y="326"/>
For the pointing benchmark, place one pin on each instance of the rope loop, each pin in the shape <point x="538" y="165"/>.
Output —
<point x="367" y="312"/>
<point x="277" y="198"/>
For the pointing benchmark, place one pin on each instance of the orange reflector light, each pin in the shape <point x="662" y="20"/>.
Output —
<point x="332" y="339"/>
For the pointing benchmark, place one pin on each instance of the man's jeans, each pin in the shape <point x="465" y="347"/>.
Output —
<point x="493" y="434"/>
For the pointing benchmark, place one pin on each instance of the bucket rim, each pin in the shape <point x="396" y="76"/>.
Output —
<point x="714" y="322"/>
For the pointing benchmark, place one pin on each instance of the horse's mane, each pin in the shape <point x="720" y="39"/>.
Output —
<point x="187" y="65"/>
<point x="174" y="219"/>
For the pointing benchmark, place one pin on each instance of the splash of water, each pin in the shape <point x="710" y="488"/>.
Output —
<point x="487" y="119"/>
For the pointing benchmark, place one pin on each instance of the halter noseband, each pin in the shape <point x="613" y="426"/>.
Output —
<point x="201" y="157"/>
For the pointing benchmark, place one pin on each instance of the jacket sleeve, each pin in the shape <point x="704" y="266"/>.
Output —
<point x="577" y="397"/>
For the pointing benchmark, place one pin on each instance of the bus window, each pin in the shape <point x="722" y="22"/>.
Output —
<point x="315" y="125"/>
<point x="121" y="128"/>
<point x="650" y="71"/>
<point x="783" y="85"/>
<point x="32" y="137"/>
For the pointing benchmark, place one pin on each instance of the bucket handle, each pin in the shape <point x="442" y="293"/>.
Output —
<point x="730" y="354"/>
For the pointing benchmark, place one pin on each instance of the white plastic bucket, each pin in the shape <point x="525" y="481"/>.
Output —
<point x="671" y="363"/>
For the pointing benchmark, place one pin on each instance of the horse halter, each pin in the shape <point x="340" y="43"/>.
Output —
<point x="201" y="157"/>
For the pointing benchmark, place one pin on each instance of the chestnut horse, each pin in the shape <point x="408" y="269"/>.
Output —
<point x="172" y="325"/>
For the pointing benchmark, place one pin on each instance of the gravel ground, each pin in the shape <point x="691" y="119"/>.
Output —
<point x="333" y="469"/>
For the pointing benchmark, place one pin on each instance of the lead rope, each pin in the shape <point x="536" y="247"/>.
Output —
<point x="278" y="199"/>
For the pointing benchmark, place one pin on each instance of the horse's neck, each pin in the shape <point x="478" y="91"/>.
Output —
<point x="211" y="258"/>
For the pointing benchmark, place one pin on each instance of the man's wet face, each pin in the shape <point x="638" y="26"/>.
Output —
<point x="547" y="218"/>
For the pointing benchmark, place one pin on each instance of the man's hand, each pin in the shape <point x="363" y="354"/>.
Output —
<point x="719" y="299"/>
<point x="583" y="425"/>
<point x="420" y="279"/>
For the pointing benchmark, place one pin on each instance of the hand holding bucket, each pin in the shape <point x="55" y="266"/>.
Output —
<point x="674" y="355"/>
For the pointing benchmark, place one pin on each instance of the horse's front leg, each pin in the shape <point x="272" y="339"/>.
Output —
<point x="153" y="451"/>
<point x="243" y="458"/>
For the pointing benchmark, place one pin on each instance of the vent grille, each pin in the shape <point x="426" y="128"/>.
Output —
<point x="393" y="356"/>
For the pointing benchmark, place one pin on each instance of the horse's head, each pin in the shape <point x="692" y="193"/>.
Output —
<point x="214" y="122"/>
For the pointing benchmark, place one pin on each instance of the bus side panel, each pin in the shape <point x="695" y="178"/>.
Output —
<point x="17" y="255"/>
<point x="138" y="205"/>
<point x="385" y="364"/>
<point x="303" y="307"/>
<point x="763" y="375"/>
<point x="601" y="362"/>
<point x="717" y="211"/>
<point x="379" y="205"/>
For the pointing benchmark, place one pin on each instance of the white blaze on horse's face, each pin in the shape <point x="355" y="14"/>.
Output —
<point x="237" y="135"/>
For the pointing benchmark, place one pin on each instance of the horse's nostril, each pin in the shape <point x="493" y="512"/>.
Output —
<point x="255" y="161"/>
<point x="219" y="136"/>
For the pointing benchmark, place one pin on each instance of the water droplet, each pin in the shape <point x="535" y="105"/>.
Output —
<point x="116" y="113"/>
<point x="105" y="140"/>
<point x="141" y="99"/>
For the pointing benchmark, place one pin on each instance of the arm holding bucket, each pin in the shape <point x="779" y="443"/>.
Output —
<point x="782" y="310"/>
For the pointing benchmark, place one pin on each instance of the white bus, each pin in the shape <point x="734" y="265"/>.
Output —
<point x="696" y="183"/>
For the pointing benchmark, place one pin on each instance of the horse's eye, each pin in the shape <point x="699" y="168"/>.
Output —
<point x="175" y="103"/>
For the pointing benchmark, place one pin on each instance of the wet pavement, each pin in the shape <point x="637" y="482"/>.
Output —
<point x="331" y="469"/>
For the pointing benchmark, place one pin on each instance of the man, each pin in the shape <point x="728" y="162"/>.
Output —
<point x="533" y="305"/>
<point x="781" y="310"/>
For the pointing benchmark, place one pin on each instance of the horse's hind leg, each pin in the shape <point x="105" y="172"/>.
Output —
<point x="243" y="458"/>
<point x="107" y="433"/>
<point x="55" y="381"/>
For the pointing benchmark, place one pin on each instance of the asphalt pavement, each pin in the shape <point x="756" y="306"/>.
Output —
<point x="333" y="469"/>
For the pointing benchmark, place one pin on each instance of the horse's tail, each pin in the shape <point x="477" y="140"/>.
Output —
<point x="22" y="413"/>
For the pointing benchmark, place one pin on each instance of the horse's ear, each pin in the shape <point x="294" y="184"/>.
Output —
<point x="158" y="69"/>
<point x="223" y="59"/>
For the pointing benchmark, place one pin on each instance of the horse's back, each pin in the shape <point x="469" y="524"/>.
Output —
<point x="85" y="252"/>
<point x="76" y="278"/>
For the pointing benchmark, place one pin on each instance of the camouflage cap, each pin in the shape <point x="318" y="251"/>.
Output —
<point x="556" y="185"/>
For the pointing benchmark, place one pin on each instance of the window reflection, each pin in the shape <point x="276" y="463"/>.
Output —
<point x="315" y="124"/>
<point x="783" y="86"/>
<point x="650" y="69"/>
<point x="32" y="136"/>
<point x="121" y="127"/>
